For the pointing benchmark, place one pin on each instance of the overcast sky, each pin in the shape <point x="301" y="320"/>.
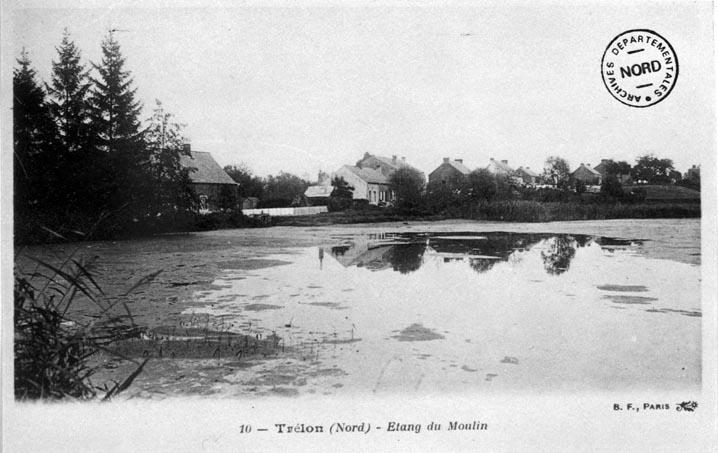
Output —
<point x="303" y="89"/>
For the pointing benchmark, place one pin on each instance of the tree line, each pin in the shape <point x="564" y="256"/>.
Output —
<point x="85" y="161"/>
<point x="282" y="190"/>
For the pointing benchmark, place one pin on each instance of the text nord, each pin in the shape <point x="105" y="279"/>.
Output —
<point x="640" y="68"/>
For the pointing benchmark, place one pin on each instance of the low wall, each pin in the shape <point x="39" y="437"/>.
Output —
<point x="274" y="212"/>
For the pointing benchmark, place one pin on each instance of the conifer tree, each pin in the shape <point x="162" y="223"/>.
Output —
<point x="116" y="125"/>
<point x="68" y="93"/>
<point x="32" y="143"/>
<point x="78" y="187"/>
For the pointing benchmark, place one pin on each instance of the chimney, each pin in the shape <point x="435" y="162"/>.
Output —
<point x="581" y="164"/>
<point x="588" y="165"/>
<point x="604" y="161"/>
<point x="491" y="159"/>
<point x="461" y="161"/>
<point x="366" y="155"/>
<point x="446" y="160"/>
<point x="403" y="159"/>
<point x="505" y="162"/>
<point x="186" y="148"/>
<point x="393" y="159"/>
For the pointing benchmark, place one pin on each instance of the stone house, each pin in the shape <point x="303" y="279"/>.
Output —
<point x="213" y="186"/>
<point x="368" y="183"/>
<point x="384" y="165"/>
<point x="527" y="176"/>
<point x="450" y="173"/>
<point x="586" y="175"/>
<point x="500" y="167"/>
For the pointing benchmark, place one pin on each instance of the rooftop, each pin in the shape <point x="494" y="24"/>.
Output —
<point x="206" y="169"/>
<point x="368" y="174"/>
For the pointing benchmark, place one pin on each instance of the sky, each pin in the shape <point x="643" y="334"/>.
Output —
<point x="303" y="89"/>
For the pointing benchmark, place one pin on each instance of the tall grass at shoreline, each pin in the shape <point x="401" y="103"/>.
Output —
<point x="534" y="211"/>
<point x="507" y="211"/>
<point x="53" y="345"/>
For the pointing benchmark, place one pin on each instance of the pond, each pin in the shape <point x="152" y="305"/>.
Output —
<point x="464" y="312"/>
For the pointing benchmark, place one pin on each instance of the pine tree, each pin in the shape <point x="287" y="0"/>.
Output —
<point x="68" y="92"/>
<point x="32" y="129"/>
<point x="115" y="111"/>
<point x="116" y="124"/>
<point x="33" y="134"/>
<point x="80" y="168"/>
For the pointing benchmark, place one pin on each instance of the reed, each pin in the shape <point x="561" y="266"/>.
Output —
<point x="54" y="345"/>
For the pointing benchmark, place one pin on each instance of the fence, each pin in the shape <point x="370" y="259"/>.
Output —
<point x="274" y="212"/>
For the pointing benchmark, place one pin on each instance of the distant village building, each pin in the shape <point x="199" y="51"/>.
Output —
<point x="602" y="168"/>
<point x="369" y="184"/>
<point x="370" y="177"/>
<point x="500" y="167"/>
<point x="384" y="165"/>
<point x="318" y="194"/>
<point x="527" y="176"/>
<point x="586" y="175"/>
<point x="210" y="182"/>
<point x="449" y="173"/>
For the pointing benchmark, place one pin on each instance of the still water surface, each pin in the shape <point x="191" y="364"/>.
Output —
<point x="456" y="312"/>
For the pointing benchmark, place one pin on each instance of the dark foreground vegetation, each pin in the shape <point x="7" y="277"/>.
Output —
<point x="54" y="344"/>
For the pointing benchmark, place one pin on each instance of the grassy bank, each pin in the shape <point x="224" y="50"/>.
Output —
<point x="533" y="211"/>
<point x="509" y="211"/>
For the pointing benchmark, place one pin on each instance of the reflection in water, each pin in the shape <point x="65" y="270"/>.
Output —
<point x="481" y="265"/>
<point x="558" y="254"/>
<point x="422" y="312"/>
<point x="406" y="252"/>
<point x="406" y="258"/>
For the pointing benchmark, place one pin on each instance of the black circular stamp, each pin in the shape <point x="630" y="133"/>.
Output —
<point x="639" y="68"/>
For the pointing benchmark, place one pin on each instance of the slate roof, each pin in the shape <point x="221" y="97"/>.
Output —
<point x="499" y="166"/>
<point x="590" y="170"/>
<point x="460" y="167"/>
<point x="207" y="170"/>
<point x="399" y="163"/>
<point x="368" y="174"/>
<point x="387" y="160"/>
<point x="528" y="171"/>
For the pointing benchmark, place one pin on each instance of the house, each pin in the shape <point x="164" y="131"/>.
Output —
<point x="528" y="176"/>
<point x="370" y="177"/>
<point x="586" y="175"/>
<point x="450" y="173"/>
<point x="602" y="168"/>
<point x="384" y="165"/>
<point x="318" y="194"/>
<point x="213" y="186"/>
<point x="500" y="167"/>
<point x="368" y="183"/>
